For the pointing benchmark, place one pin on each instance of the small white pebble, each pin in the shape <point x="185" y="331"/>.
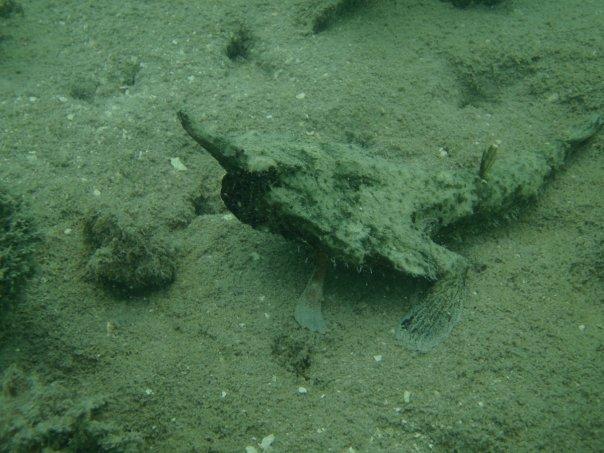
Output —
<point x="62" y="99"/>
<point x="407" y="396"/>
<point x="300" y="95"/>
<point x="70" y="116"/>
<point x="582" y="327"/>
<point x="67" y="231"/>
<point x="267" y="442"/>
<point x="96" y="192"/>
<point x="223" y="394"/>
<point x="442" y="153"/>
<point x="191" y="78"/>
<point x="378" y="358"/>
<point x="148" y="391"/>
<point x="302" y="390"/>
<point x="480" y="404"/>
<point x="33" y="99"/>
<point x="228" y="217"/>
<point x="250" y="449"/>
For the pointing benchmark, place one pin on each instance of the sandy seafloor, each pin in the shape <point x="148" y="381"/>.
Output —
<point x="89" y="91"/>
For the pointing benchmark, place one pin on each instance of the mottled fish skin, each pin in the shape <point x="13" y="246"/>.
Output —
<point x="365" y="211"/>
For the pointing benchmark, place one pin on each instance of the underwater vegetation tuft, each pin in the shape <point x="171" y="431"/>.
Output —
<point x="17" y="242"/>
<point x="38" y="417"/>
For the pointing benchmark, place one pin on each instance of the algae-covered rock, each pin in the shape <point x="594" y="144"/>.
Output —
<point x="366" y="211"/>
<point x="17" y="242"/>
<point x="127" y="255"/>
<point x="466" y="3"/>
<point x="330" y="11"/>
<point x="36" y="417"/>
<point x="10" y="7"/>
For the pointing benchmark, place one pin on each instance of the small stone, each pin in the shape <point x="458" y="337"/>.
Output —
<point x="177" y="164"/>
<point x="378" y="358"/>
<point x="582" y="327"/>
<point x="250" y="449"/>
<point x="300" y="95"/>
<point x="148" y="391"/>
<point x="223" y="394"/>
<point x="67" y="231"/>
<point x="96" y="192"/>
<point x="302" y="390"/>
<point x="407" y="396"/>
<point x="267" y="442"/>
<point x="70" y="116"/>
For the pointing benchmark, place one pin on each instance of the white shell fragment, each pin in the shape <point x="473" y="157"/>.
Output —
<point x="267" y="442"/>
<point x="177" y="164"/>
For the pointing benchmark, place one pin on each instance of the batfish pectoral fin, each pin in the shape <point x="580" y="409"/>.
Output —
<point x="308" y="309"/>
<point x="430" y="322"/>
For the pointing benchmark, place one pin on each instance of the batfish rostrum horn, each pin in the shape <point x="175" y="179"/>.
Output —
<point x="367" y="212"/>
